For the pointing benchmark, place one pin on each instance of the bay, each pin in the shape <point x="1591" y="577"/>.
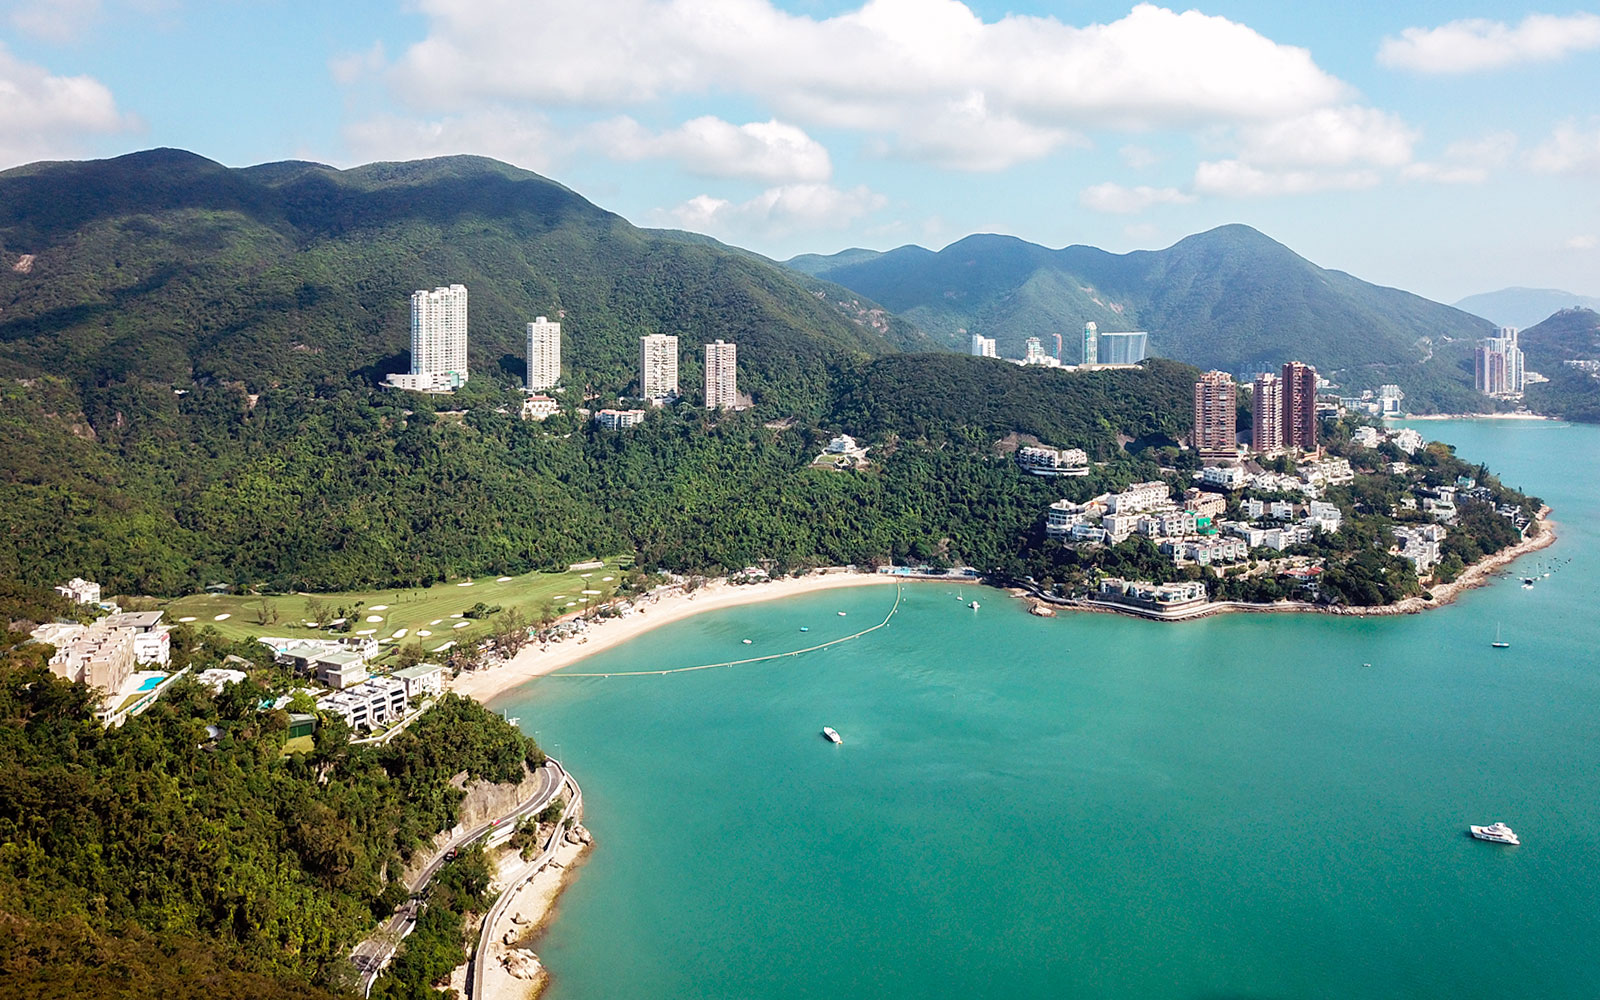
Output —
<point x="1099" y="806"/>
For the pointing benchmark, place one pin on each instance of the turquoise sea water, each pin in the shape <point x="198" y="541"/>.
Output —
<point x="1095" y="806"/>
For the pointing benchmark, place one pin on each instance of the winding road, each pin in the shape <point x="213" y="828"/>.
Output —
<point x="374" y="952"/>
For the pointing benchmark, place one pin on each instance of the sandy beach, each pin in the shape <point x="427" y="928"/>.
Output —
<point x="649" y="611"/>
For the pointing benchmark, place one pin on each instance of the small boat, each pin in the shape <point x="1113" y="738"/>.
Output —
<point x="1499" y="643"/>
<point x="1497" y="833"/>
<point x="841" y="614"/>
<point x="973" y="605"/>
<point x="834" y="737"/>
<point x="745" y="641"/>
<point x="805" y="628"/>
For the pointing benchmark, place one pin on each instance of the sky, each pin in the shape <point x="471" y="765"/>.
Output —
<point x="1443" y="148"/>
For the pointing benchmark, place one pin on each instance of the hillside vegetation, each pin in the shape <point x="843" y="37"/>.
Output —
<point x="183" y="855"/>
<point x="347" y="487"/>
<point x="1229" y="298"/>
<point x="1569" y="335"/>
<point x="170" y="268"/>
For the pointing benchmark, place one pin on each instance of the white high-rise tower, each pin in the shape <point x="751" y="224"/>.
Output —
<point x="438" y="340"/>
<point x="1091" y="344"/>
<point x="722" y="388"/>
<point x="544" y="354"/>
<point x="658" y="367"/>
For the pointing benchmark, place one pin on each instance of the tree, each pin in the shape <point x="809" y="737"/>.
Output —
<point x="510" y="632"/>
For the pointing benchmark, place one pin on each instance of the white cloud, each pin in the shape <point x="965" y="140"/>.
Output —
<point x="1467" y="161"/>
<point x="1236" y="179"/>
<point x="928" y="78"/>
<point x="1569" y="150"/>
<point x="55" y="20"/>
<point x="1445" y="173"/>
<point x="769" y="151"/>
<point x="352" y="66"/>
<point x="1586" y="242"/>
<point x="43" y="116"/>
<point x="778" y="211"/>
<point x="1121" y="200"/>
<point x="1492" y="150"/>
<point x="1478" y="44"/>
<point x="1329" y="137"/>
<point x="522" y="140"/>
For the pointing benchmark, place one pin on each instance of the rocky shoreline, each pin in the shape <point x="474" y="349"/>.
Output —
<point x="1474" y="576"/>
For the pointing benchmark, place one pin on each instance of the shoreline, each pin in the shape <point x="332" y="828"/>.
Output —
<point x="1475" y="416"/>
<point x="1477" y="575"/>
<point x="649" y="611"/>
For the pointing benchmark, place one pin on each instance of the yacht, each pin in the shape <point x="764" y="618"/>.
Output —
<point x="834" y="737"/>
<point x="1499" y="833"/>
<point x="973" y="605"/>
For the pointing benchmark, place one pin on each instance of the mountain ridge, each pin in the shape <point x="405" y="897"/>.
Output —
<point x="1524" y="307"/>
<point x="1230" y="297"/>
<point x="167" y="266"/>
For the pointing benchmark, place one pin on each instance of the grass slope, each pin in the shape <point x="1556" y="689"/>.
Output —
<point x="438" y="609"/>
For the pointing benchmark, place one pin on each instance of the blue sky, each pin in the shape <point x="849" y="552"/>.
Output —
<point x="1448" y="149"/>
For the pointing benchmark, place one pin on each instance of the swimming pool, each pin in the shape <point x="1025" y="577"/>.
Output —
<point x="150" y="684"/>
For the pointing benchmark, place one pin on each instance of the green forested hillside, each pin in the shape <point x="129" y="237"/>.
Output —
<point x="1569" y="335"/>
<point x="183" y="855"/>
<point x="173" y="268"/>
<point x="1229" y="298"/>
<point x="347" y="486"/>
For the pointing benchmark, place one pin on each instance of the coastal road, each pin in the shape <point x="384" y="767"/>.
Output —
<point x="486" y="934"/>
<point x="373" y="953"/>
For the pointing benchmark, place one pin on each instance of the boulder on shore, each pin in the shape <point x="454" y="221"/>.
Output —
<point x="522" y="964"/>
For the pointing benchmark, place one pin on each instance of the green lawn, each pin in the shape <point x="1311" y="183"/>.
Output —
<point x="414" y="610"/>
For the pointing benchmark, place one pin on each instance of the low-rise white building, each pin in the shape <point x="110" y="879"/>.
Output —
<point x="1119" y="527"/>
<point x="1086" y="532"/>
<point x="1280" y="510"/>
<point x="218" y="678"/>
<point x="618" y="420"/>
<point x="1138" y="498"/>
<point x="1062" y="516"/>
<point x="1163" y="597"/>
<point x="80" y="591"/>
<point x="1168" y="524"/>
<point x="1326" y="516"/>
<point x="1407" y="440"/>
<point x="1053" y="462"/>
<point x="1228" y="477"/>
<point x="369" y="704"/>
<point x="1250" y="534"/>
<point x="1419" y="544"/>
<point x="339" y="670"/>
<point x="1330" y="471"/>
<point x="1289" y="534"/>
<point x="539" y="407"/>
<point x="1207" y="551"/>
<point x="422" y="679"/>
<point x="1204" y="504"/>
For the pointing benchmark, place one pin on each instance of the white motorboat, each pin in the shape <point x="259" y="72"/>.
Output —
<point x="1498" y="833"/>
<point x="973" y="605"/>
<point x="834" y="737"/>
